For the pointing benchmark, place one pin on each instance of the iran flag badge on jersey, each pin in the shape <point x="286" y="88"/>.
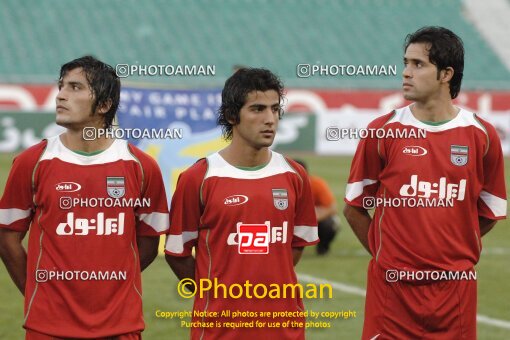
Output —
<point x="459" y="155"/>
<point x="115" y="187"/>
<point x="280" y="199"/>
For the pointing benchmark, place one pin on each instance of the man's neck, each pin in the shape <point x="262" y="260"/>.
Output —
<point x="74" y="141"/>
<point x="434" y="111"/>
<point x="245" y="157"/>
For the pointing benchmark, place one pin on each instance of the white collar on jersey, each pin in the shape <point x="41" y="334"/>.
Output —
<point x="118" y="150"/>
<point x="217" y="166"/>
<point x="464" y="118"/>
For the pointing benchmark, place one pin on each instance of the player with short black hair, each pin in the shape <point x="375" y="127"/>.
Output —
<point x="248" y="211"/>
<point x="435" y="198"/>
<point x="103" y="82"/>
<point x="445" y="49"/>
<point x="95" y="210"/>
<point x="236" y="89"/>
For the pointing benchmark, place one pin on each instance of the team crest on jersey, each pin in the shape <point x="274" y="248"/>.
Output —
<point x="280" y="199"/>
<point x="115" y="187"/>
<point x="459" y="155"/>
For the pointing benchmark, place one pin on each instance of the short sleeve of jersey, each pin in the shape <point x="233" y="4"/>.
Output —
<point x="366" y="166"/>
<point x="492" y="202"/>
<point x="17" y="206"/>
<point x="186" y="211"/>
<point x="305" y="222"/>
<point x="153" y="220"/>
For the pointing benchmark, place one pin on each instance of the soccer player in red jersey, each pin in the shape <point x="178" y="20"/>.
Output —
<point x="248" y="211"/>
<point x="95" y="210"/>
<point x="436" y="197"/>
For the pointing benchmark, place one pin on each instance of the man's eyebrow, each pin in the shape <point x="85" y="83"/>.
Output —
<point x="414" y="59"/>
<point x="71" y="83"/>
<point x="258" y="105"/>
<point x="263" y="105"/>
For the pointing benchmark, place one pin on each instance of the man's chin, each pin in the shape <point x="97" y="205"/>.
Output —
<point x="261" y="146"/>
<point x="67" y="125"/>
<point x="409" y="96"/>
<point x="267" y="144"/>
<point x="61" y="123"/>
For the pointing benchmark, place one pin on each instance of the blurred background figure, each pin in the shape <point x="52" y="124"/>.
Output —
<point x="325" y="209"/>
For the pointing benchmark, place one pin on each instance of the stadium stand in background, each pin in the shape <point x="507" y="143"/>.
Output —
<point x="491" y="20"/>
<point x="38" y="36"/>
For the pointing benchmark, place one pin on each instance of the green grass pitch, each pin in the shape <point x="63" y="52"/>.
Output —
<point x="346" y="264"/>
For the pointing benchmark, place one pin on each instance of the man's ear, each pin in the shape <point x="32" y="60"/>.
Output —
<point x="232" y="121"/>
<point x="447" y="74"/>
<point x="105" y="107"/>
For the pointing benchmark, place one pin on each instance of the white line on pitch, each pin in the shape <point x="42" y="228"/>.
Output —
<point x="361" y="292"/>
<point x="485" y="251"/>
<point x="495" y="251"/>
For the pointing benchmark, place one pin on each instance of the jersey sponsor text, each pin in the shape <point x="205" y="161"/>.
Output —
<point x="82" y="226"/>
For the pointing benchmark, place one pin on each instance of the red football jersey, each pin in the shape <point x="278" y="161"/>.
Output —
<point x="445" y="180"/>
<point x="244" y="224"/>
<point x="84" y="214"/>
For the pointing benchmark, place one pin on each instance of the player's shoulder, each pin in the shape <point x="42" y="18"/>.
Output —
<point x="292" y="163"/>
<point x="486" y="126"/>
<point x="145" y="159"/>
<point x="31" y="156"/>
<point x="197" y="171"/>
<point x="379" y="122"/>
<point x="294" y="166"/>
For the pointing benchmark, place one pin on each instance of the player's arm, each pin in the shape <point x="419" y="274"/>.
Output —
<point x="16" y="214"/>
<point x="305" y="229"/>
<point x="485" y="225"/>
<point x="492" y="205"/>
<point x="359" y="220"/>
<point x="147" y="249"/>
<point x="185" y="216"/>
<point x="297" y="252"/>
<point x="153" y="220"/>
<point x="183" y="267"/>
<point x="363" y="183"/>
<point x="14" y="256"/>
